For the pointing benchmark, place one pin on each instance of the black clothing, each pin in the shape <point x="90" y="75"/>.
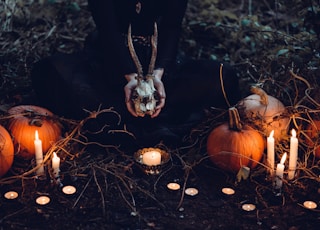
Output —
<point x="112" y="18"/>
<point x="67" y="84"/>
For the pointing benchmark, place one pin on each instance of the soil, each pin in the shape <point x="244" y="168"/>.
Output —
<point x="274" y="45"/>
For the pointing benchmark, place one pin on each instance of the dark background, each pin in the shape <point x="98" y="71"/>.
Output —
<point x="264" y="40"/>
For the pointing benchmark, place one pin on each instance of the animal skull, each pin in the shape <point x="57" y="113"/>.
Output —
<point x="144" y="95"/>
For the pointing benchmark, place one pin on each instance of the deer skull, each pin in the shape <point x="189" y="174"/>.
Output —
<point x="144" y="95"/>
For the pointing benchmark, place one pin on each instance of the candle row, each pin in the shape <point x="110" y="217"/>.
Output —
<point x="39" y="158"/>
<point x="42" y="200"/>
<point x="292" y="157"/>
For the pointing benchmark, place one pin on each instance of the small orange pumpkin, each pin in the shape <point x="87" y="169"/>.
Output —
<point x="313" y="132"/>
<point x="23" y="123"/>
<point x="6" y="151"/>
<point x="232" y="146"/>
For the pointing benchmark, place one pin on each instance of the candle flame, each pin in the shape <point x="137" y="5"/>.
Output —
<point x="271" y="134"/>
<point x="293" y="132"/>
<point x="36" y="134"/>
<point x="283" y="158"/>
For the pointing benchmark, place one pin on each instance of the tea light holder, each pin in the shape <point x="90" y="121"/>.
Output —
<point x="173" y="186"/>
<point x="191" y="191"/>
<point x="310" y="204"/>
<point x="228" y="191"/>
<point x="69" y="190"/>
<point x="153" y="154"/>
<point x="11" y="195"/>
<point x="248" y="207"/>
<point x="43" y="200"/>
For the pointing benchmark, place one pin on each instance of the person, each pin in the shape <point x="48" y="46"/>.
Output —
<point x="104" y="73"/>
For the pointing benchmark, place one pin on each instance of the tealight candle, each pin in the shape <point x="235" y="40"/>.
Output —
<point x="55" y="165"/>
<point x="279" y="171"/>
<point x="43" y="200"/>
<point x="151" y="158"/>
<point x="11" y="195"/>
<point x="69" y="189"/>
<point x="270" y="152"/>
<point x="191" y="191"/>
<point x="293" y="155"/>
<point x="248" y="207"/>
<point x="38" y="153"/>
<point x="173" y="186"/>
<point x="228" y="191"/>
<point x="309" y="204"/>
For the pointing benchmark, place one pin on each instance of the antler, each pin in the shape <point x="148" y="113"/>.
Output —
<point x="134" y="54"/>
<point x="154" y="43"/>
<point x="144" y="93"/>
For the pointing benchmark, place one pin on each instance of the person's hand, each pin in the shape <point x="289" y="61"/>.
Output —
<point x="132" y="84"/>
<point x="129" y="87"/>
<point x="158" y="84"/>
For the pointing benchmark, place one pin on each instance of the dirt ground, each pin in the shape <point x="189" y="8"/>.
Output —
<point x="273" y="44"/>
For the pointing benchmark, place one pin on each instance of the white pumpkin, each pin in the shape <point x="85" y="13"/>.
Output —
<point x="266" y="112"/>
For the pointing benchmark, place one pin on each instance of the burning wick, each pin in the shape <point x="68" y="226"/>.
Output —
<point x="11" y="195"/>
<point x="191" y="191"/>
<point x="228" y="191"/>
<point x="69" y="189"/>
<point x="248" y="207"/>
<point x="42" y="200"/>
<point x="310" y="204"/>
<point x="173" y="186"/>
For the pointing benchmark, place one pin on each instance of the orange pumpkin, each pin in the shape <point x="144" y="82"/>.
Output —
<point x="313" y="132"/>
<point x="232" y="146"/>
<point x="266" y="112"/>
<point x="6" y="151"/>
<point x="23" y="123"/>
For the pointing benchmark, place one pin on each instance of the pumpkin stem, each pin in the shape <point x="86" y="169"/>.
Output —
<point x="234" y="119"/>
<point x="263" y="95"/>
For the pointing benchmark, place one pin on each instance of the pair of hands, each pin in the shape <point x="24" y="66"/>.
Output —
<point x="132" y="84"/>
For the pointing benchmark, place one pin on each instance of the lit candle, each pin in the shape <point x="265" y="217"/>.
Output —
<point x="55" y="165"/>
<point x="309" y="204"/>
<point x="191" y="191"/>
<point x="38" y="153"/>
<point x="42" y="200"/>
<point x="270" y="152"/>
<point x="69" y="189"/>
<point x="228" y="191"/>
<point x="173" y="186"/>
<point x="293" y="155"/>
<point x="151" y="158"/>
<point x="248" y="207"/>
<point x="279" y="171"/>
<point x="11" y="195"/>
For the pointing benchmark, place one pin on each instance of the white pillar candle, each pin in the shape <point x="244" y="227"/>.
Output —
<point x="270" y="152"/>
<point x="151" y="158"/>
<point x="38" y="153"/>
<point x="279" y="172"/>
<point x="55" y="165"/>
<point x="293" y="155"/>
